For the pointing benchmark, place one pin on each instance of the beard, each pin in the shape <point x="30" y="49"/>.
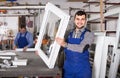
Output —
<point x="79" y="27"/>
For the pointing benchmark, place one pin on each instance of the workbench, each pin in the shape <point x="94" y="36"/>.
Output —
<point x="35" y="67"/>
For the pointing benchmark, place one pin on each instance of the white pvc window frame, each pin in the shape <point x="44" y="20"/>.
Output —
<point x="98" y="71"/>
<point x="50" y="61"/>
<point x="116" y="55"/>
<point x="99" y="41"/>
<point x="107" y="41"/>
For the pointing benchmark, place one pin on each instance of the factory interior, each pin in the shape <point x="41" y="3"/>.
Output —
<point x="47" y="19"/>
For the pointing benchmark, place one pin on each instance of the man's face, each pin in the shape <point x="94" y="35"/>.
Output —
<point x="80" y="21"/>
<point x="22" y="30"/>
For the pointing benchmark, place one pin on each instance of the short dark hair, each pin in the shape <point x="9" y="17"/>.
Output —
<point x="22" y="26"/>
<point x="80" y="13"/>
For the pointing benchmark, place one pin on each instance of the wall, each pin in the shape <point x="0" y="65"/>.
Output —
<point x="9" y="24"/>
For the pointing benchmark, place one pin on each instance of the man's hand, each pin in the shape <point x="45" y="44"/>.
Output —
<point x="14" y="48"/>
<point x="25" y="48"/>
<point x="61" y="42"/>
<point x="36" y="52"/>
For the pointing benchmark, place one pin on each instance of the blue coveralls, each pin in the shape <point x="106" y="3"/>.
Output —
<point x="77" y="64"/>
<point x="22" y="41"/>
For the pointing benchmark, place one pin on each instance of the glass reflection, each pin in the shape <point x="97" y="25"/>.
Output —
<point x="50" y="32"/>
<point x="92" y="53"/>
<point x="109" y="57"/>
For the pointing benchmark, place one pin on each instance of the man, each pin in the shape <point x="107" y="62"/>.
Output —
<point x="24" y="39"/>
<point x="76" y="46"/>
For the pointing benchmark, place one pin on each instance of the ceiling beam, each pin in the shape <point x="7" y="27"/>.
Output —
<point x="110" y="18"/>
<point x="21" y="7"/>
<point x="77" y="0"/>
<point x="106" y="3"/>
<point x="95" y="22"/>
<point x="112" y="3"/>
<point x="93" y="2"/>
<point x="75" y="8"/>
<point x="110" y="31"/>
<point x="91" y="12"/>
<point x="11" y="15"/>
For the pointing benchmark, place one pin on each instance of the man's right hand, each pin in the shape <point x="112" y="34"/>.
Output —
<point x="61" y="42"/>
<point x="14" y="48"/>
